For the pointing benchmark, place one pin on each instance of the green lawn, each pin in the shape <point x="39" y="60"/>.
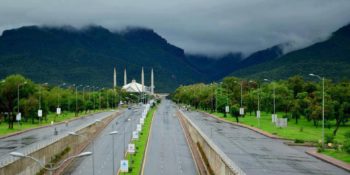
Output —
<point x="4" y="130"/>
<point x="135" y="160"/>
<point x="341" y="155"/>
<point x="304" y="130"/>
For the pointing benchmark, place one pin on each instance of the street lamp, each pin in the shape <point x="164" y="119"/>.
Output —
<point x="241" y="110"/>
<point x="40" y="94"/>
<point x="274" y="117"/>
<point x="258" y="111"/>
<point x="76" y="98"/>
<point x="18" y="85"/>
<point x="321" y="78"/>
<point x="84" y="96"/>
<point x="51" y="169"/>
<point x="112" y="134"/>
<point x="93" y="146"/>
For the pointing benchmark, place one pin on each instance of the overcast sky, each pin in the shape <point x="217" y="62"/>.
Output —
<point x="198" y="26"/>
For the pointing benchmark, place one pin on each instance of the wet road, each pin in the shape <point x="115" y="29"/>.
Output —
<point x="31" y="139"/>
<point x="103" y="145"/>
<point x="256" y="154"/>
<point x="168" y="152"/>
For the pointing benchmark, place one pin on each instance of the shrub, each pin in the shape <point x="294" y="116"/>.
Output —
<point x="298" y="141"/>
<point x="346" y="146"/>
<point x="347" y="135"/>
<point x="329" y="138"/>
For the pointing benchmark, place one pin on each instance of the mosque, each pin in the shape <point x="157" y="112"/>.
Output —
<point x="133" y="86"/>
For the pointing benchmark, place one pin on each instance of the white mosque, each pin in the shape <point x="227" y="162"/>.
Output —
<point x="133" y="86"/>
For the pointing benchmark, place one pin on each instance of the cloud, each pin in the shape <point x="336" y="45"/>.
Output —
<point x="198" y="26"/>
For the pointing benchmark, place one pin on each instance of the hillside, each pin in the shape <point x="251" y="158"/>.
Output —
<point x="87" y="56"/>
<point x="330" y="58"/>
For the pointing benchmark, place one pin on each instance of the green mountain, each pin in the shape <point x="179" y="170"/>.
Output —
<point x="330" y="58"/>
<point x="87" y="56"/>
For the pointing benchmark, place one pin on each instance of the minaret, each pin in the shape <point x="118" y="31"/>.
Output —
<point x="125" y="80"/>
<point x="142" y="81"/>
<point x="115" y="78"/>
<point x="152" y="82"/>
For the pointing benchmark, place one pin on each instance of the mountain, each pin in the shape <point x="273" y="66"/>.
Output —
<point x="329" y="58"/>
<point x="217" y="68"/>
<point x="87" y="56"/>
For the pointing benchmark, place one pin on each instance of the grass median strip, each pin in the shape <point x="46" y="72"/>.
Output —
<point x="135" y="160"/>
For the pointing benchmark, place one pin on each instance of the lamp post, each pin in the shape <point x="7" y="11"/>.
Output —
<point x="258" y="111"/>
<point x="112" y="134"/>
<point x="93" y="146"/>
<point x="321" y="78"/>
<point x="40" y="94"/>
<point x="51" y="169"/>
<point x="241" y="109"/>
<point x="18" y="85"/>
<point x="76" y="99"/>
<point x="274" y="99"/>
<point x="84" y="96"/>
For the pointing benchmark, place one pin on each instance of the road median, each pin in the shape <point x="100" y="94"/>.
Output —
<point x="217" y="159"/>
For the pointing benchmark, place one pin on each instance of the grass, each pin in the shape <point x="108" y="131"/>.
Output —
<point x="340" y="155"/>
<point x="135" y="160"/>
<point x="304" y="130"/>
<point x="4" y="130"/>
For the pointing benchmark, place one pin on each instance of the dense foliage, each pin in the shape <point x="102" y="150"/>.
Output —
<point x="47" y="97"/>
<point x="295" y="97"/>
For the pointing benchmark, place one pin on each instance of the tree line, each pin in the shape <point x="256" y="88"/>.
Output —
<point x="294" y="97"/>
<point x="21" y="95"/>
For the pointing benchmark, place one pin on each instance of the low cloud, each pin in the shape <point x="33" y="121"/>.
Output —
<point x="198" y="26"/>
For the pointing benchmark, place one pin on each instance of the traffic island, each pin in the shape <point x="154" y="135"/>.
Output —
<point x="217" y="161"/>
<point x="136" y="160"/>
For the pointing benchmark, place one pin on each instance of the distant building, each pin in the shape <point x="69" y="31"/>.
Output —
<point x="137" y="87"/>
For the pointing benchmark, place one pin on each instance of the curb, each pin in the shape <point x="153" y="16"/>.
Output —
<point x="40" y="127"/>
<point x="246" y="126"/>
<point x="188" y="143"/>
<point x="330" y="160"/>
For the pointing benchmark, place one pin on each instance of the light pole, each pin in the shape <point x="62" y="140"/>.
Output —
<point x="84" y="96"/>
<point x="321" y="78"/>
<point x="274" y="100"/>
<point x="112" y="134"/>
<point x="93" y="146"/>
<point x="58" y="95"/>
<point x="18" y="85"/>
<point x="40" y="94"/>
<point x="258" y="111"/>
<point x="76" y="99"/>
<point x="51" y="169"/>
<point x="241" y="84"/>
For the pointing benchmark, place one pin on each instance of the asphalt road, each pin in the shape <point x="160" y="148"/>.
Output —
<point x="31" y="139"/>
<point x="168" y="152"/>
<point x="256" y="154"/>
<point x="103" y="145"/>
